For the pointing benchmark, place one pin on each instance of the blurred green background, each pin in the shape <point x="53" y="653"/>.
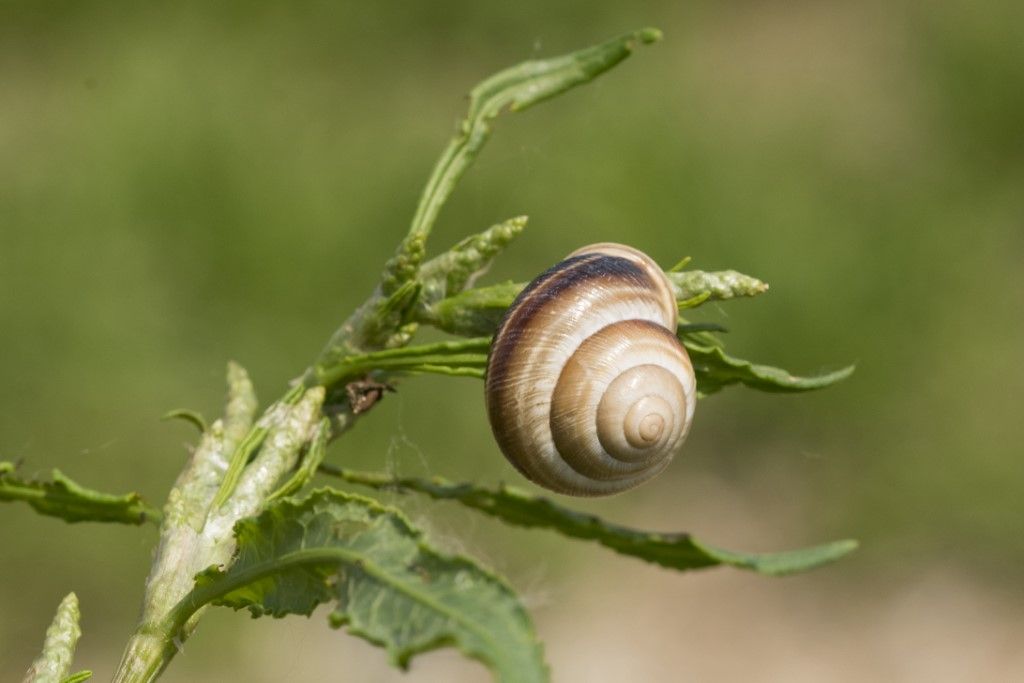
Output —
<point x="185" y="183"/>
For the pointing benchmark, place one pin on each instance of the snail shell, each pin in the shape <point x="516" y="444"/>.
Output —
<point x="588" y="390"/>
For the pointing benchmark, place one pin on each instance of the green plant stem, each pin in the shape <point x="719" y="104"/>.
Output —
<point x="198" y="534"/>
<point x="459" y="267"/>
<point x="514" y="89"/>
<point x="155" y="646"/>
<point x="197" y="541"/>
<point x="188" y="505"/>
<point x="460" y="352"/>
<point x="204" y="594"/>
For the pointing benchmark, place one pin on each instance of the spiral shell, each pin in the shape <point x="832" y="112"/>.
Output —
<point x="588" y="390"/>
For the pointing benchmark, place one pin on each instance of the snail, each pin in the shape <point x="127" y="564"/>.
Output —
<point x="588" y="390"/>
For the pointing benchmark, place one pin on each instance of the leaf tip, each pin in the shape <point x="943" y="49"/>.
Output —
<point x="812" y="558"/>
<point x="680" y="264"/>
<point x="847" y="546"/>
<point x="836" y="376"/>
<point x="649" y="35"/>
<point x="191" y="416"/>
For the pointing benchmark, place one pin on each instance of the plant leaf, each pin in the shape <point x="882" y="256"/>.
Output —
<point x="691" y="328"/>
<point x="78" y="677"/>
<point x="720" y="285"/>
<point x="72" y="502"/>
<point x="715" y="369"/>
<point x="442" y="357"/>
<point x="241" y="406"/>
<point x="307" y="467"/>
<point x="476" y="312"/>
<point x="388" y="586"/>
<point x="253" y="440"/>
<point x="193" y="417"/>
<point x="673" y="550"/>
<point x="513" y="89"/>
<point x="62" y="636"/>
<point x="459" y="267"/>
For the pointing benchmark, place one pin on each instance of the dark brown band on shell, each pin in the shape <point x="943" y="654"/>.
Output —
<point x="574" y="272"/>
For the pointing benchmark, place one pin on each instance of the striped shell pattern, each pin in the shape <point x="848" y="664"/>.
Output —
<point x="588" y="391"/>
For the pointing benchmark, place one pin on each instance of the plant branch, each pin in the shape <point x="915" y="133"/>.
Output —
<point x="64" y="498"/>
<point x="514" y="89"/>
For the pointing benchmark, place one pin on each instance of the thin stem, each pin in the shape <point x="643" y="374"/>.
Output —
<point x="452" y="354"/>
<point x="196" y="540"/>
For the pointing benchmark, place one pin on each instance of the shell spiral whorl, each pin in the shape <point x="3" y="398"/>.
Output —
<point x="588" y="390"/>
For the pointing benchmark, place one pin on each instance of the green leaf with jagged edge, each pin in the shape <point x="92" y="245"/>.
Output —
<point x="388" y="585"/>
<point x="716" y="369"/>
<point x="72" y="502"/>
<point x="513" y="89"/>
<point x="62" y="636"/>
<point x="673" y="550"/>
